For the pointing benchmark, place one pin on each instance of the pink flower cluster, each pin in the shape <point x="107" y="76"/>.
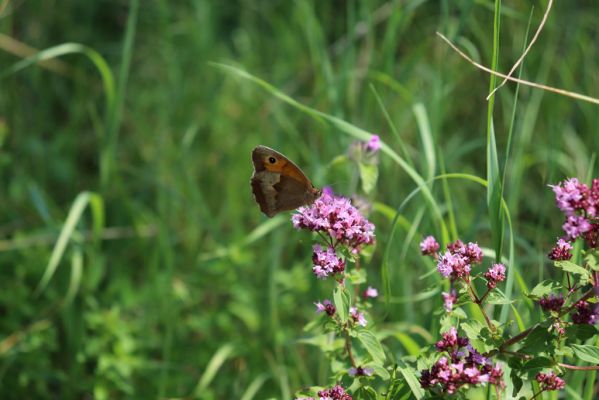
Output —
<point x="495" y="274"/>
<point x="357" y="317"/>
<point x="552" y="302"/>
<point x="586" y="313"/>
<point x="360" y="371"/>
<point x="550" y="381"/>
<point x="327" y="307"/>
<point x="326" y="262"/>
<point x="580" y="205"/>
<point x="463" y="365"/>
<point x="374" y="144"/>
<point x="335" y="216"/>
<point x="429" y="246"/>
<point x="335" y="393"/>
<point x="449" y="299"/>
<point x="457" y="260"/>
<point x="561" y="251"/>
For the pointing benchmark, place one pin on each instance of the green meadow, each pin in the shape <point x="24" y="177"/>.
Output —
<point x="135" y="262"/>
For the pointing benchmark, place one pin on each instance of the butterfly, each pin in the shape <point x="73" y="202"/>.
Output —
<point x="278" y="184"/>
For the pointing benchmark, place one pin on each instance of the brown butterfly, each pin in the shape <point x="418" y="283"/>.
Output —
<point x="278" y="184"/>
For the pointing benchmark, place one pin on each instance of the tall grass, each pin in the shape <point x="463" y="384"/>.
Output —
<point x="175" y="285"/>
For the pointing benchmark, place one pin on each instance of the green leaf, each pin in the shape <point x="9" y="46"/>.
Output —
<point x="536" y="341"/>
<point x="538" y="363"/>
<point x="587" y="352"/>
<point x="411" y="379"/>
<point x="472" y="329"/>
<point x="569" y="266"/>
<point x="365" y="393"/>
<point x="496" y="297"/>
<point x="341" y="299"/>
<point x="372" y="345"/>
<point x="543" y="289"/>
<point x="369" y="174"/>
<point x="592" y="260"/>
<point x="582" y="332"/>
<point x="379" y="370"/>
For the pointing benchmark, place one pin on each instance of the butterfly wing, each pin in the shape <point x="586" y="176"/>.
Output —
<point x="278" y="184"/>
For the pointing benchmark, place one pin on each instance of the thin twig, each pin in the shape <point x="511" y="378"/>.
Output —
<point x="562" y="92"/>
<point x="580" y="368"/>
<point x="534" y="39"/>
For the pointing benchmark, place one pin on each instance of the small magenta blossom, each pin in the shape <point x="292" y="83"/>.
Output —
<point x="371" y="292"/>
<point x="360" y="371"/>
<point x="358" y="317"/>
<point x="374" y="144"/>
<point x="494" y="275"/>
<point x="336" y="217"/>
<point x="326" y="262"/>
<point x="552" y="302"/>
<point x="451" y="340"/>
<point x="586" y="313"/>
<point x="464" y="366"/>
<point x="570" y="195"/>
<point x="453" y="265"/>
<point x="575" y="226"/>
<point x="550" y="381"/>
<point x="561" y="251"/>
<point x="429" y="246"/>
<point x="335" y="393"/>
<point x="326" y="306"/>
<point x="470" y="251"/>
<point x="449" y="299"/>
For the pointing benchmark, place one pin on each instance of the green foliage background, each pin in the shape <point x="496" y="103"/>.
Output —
<point x="172" y="284"/>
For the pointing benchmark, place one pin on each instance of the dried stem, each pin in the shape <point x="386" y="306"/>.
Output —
<point x="534" y="39"/>
<point x="562" y="92"/>
<point x="579" y="368"/>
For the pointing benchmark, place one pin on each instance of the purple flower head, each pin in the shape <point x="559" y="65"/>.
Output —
<point x="453" y="265"/>
<point x="495" y="274"/>
<point x="335" y="216"/>
<point x="449" y="377"/>
<point x="451" y="340"/>
<point x="358" y="317"/>
<point x="561" y="251"/>
<point x="496" y="376"/>
<point x="575" y="226"/>
<point x="470" y="251"/>
<point x="593" y="203"/>
<point x="374" y="144"/>
<point x="326" y="262"/>
<point x="474" y="356"/>
<point x="552" y="303"/>
<point x="360" y="371"/>
<point x="429" y="246"/>
<point x="586" y="313"/>
<point x="328" y="191"/>
<point x="449" y="300"/>
<point x="371" y="292"/>
<point x="550" y="381"/>
<point x="335" y="393"/>
<point x="571" y="196"/>
<point x="326" y="306"/>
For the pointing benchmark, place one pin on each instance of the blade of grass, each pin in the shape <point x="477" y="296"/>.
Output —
<point x="217" y="360"/>
<point x="115" y="112"/>
<point x="81" y="202"/>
